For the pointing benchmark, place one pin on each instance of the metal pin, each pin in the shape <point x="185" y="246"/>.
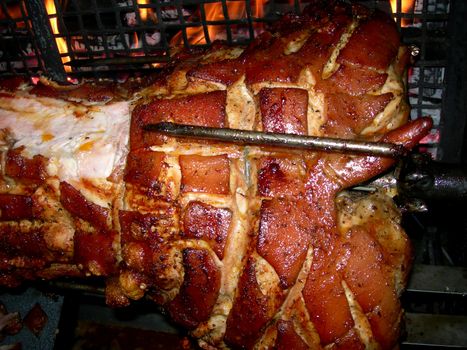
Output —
<point x="414" y="50"/>
<point x="280" y="140"/>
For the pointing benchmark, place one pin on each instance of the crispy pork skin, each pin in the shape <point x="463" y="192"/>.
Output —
<point x="247" y="247"/>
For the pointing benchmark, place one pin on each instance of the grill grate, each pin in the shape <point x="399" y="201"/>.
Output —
<point x="112" y="35"/>
<point x="110" y="38"/>
<point x="426" y="27"/>
<point x="19" y="52"/>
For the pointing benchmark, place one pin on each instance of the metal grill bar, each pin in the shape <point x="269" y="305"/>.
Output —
<point x="428" y="331"/>
<point x="103" y="29"/>
<point x="15" y="37"/>
<point x="454" y="103"/>
<point x="438" y="279"/>
<point x="425" y="26"/>
<point x="45" y="40"/>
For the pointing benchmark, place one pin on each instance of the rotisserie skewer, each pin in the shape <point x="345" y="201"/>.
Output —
<point x="313" y="143"/>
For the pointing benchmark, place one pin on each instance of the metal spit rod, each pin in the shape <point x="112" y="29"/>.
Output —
<point x="280" y="140"/>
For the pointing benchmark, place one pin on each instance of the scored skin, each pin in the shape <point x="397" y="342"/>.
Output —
<point x="323" y="286"/>
<point x="292" y="198"/>
<point x="198" y="293"/>
<point x="277" y="104"/>
<point x="94" y="240"/>
<point x="347" y="119"/>
<point x="297" y="197"/>
<point x="322" y="193"/>
<point x="275" y="256"/>
<point x="287" y="338"/>
<point x="243" y="327"/>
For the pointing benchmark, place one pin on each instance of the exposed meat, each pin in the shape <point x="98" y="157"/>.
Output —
<point x="248" y="247"/>
<point x="88" y="92"/>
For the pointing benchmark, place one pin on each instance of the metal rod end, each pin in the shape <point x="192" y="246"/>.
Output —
<point x="160" y="127"/>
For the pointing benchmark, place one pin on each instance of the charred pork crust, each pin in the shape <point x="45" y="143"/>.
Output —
<point x="247" y="247"/>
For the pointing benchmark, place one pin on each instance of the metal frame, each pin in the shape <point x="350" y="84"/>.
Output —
<point x="453" y="144"/>
<point x="17" y="35"/>
<point x="45" y="40"/>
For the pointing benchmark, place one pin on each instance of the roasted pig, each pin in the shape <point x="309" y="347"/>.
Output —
<point x="246" y="246"/>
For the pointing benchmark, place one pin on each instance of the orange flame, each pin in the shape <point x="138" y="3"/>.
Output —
<point x="406" y="7"/>
<point x="135" y="44"/>
<point x="146" y="13"/>
<point x="215" y="12"/>
<point x="259" y="13"/>
<point x="61" y="42"/>
<point x="259" y="9"/>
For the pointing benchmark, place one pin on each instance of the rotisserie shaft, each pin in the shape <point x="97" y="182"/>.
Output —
<point x="246" y="246"/>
